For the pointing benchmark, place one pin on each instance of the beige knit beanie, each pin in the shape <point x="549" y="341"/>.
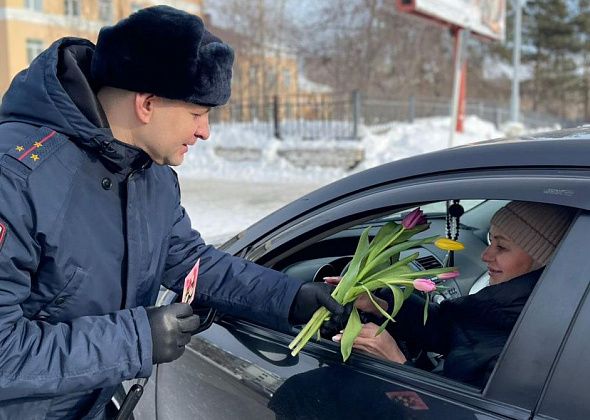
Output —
<point x="537" y="228"/>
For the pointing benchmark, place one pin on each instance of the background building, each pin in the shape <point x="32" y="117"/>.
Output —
<point x="27" y="27"/>
<point x="266" y="77"/>
<point x="260" y="73"/>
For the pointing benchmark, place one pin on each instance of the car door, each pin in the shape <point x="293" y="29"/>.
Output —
<point x="565" y="392"/>
<point x="237" y="368"/>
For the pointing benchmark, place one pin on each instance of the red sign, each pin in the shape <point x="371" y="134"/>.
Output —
<point x="482" y="17"/>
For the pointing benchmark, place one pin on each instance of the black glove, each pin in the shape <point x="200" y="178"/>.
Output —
<point x="309" y="298"/>
<point x="336" y="323"/>
<point x="172" y="327"/>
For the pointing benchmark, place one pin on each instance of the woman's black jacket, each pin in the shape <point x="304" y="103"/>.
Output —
<point x="469" y="331"/>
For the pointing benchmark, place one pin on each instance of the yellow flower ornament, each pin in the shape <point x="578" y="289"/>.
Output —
<point x="449" y="245"/>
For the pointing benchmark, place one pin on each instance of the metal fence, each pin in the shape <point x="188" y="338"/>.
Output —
<point x="306" y="116"/>
<point x="339" y="116"/>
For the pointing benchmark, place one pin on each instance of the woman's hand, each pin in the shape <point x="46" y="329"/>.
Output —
<point x="382" y="346"/>
<point x="363" y="302"/>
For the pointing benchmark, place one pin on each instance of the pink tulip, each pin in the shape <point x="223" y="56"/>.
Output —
<point x="414" y="219"/>
<point x="424" y="285"/>
<point x="448" y="276"/>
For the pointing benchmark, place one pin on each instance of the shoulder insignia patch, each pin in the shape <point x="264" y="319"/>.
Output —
<point x="34" y="149"/>
<point x="3" y="232"/>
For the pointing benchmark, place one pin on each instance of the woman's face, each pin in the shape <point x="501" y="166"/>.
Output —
<point x="505" y="259"/>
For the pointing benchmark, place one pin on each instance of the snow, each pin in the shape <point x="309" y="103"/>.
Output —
<point x="494" y="69"/>
<point x="382" y="144"/>
<point x="224" y="197"/>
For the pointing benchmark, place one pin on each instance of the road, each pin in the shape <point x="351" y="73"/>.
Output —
<point x="219" y="209"/>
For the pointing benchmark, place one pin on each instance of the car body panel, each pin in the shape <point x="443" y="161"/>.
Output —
<point x="565" y="395"/>
<point x="564" y="149"/>
<point x="537" y="338"/>
<point x="239" y="369"/>
<point x="501" y="184"/>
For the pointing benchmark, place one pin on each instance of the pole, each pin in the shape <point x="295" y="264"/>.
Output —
<point x="515" y="99"/>
<point x="276" y="117"/>
<point x="356" y="113"/>
<point x="462" y="95"/>
<point x="459" y="35"/>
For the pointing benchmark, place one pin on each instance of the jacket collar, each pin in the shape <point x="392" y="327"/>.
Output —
<point x="496" y="306"/>
<point x="57" y="91"/>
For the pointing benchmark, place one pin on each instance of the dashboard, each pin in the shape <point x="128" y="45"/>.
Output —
<point x="330" y="256"/>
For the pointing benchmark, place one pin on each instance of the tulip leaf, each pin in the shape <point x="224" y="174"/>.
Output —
<point x="391" y="270"/>
<point x="350" y="277"/>
<point x="398" y="299"/>
<point x="427" y="273"/>
<point x="388" y="233"/>
<point x="408" y="233"/>
<point x="386" y="281"/>
<point x="408" y="290"/>
<point x="377" y="306"/>
<point x="382" y="327"/>
<point x="402" y="246"/>
<point x="351" y="331"/>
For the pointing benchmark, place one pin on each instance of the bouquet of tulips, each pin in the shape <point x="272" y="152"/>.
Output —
<point x="376" y="264"/>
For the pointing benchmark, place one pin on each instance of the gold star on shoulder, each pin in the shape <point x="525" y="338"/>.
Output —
<point x="19" y="148"/>
<point x="35" y="157"/>
<point x="37" y="144"/>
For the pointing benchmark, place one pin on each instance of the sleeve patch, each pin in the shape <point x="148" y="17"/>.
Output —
<point x="3" y="233"/>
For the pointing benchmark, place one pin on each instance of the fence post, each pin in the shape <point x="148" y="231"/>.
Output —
<point x="498" y="117"/>
<point x="411" y="109"/>
<point x="356" y="113"/>
<point x="276" y="117"/>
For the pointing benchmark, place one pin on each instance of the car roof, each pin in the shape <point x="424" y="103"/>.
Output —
<point x="562" y="149"/>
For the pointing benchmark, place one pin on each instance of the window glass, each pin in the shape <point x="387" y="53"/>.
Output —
<point x="439" y="207"/>
<point x="286" y="78"/>
<point x="271" y="79"/>
<point x="253" y="75"/>
<point x="36" y="5"/>
<point x="72" y="8"/>
<point x="105" y="10"/>
<point x="34" y="48"/>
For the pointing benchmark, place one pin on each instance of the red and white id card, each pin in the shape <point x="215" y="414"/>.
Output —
<point x="190" y="284"/>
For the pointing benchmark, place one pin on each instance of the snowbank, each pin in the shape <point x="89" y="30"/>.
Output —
<point x="381" y="144"/>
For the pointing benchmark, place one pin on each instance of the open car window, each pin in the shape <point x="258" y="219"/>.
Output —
<point x="461" y="340"/>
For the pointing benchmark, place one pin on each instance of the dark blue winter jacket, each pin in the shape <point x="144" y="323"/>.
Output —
<point x="89" y="229"/>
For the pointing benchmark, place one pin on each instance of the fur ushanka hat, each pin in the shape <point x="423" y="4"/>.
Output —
<point x="167" y="52"/>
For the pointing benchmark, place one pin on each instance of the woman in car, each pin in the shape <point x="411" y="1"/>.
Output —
<point x="471" y="331"/>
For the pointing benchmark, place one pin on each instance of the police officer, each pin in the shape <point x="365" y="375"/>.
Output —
<point x="90" y="218"/>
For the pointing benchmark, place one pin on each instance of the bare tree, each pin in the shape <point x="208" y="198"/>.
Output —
<point x="264" y="30"/>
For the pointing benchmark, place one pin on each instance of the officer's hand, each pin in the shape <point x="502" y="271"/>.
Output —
<point x="172" y="327"/>
<point x="309" y="298"/>
<point x="336" y="323"/>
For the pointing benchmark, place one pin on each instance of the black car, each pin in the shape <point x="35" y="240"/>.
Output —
<point x="236" y="369"/>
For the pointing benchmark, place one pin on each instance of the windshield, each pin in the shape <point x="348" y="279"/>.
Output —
<point x="433" y="209"/>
